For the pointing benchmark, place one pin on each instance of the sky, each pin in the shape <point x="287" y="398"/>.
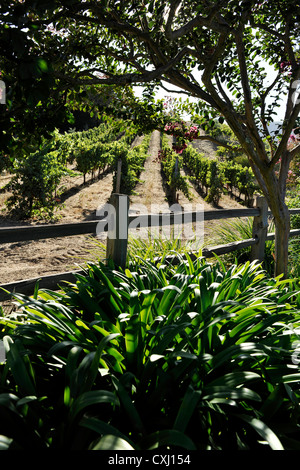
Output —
<point x="271" y="74"/>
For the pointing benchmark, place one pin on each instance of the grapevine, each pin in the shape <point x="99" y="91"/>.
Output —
<point x="37" y="177"/>
<point x="171" y="164"/>
<point x="214" y="176"/>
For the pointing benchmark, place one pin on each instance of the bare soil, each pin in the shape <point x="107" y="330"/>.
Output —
<point x="25" y="260"/>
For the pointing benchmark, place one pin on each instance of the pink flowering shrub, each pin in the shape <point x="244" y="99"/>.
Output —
<point x="294" y="140"/>
<point x="286" y="66"/>
<point x="182" y="133"/>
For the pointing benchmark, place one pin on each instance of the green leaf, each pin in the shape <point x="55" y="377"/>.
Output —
<point x="230" y="352"/>
<point x="210" y="393"/>
<point x="291" y="378"/>
<point x="128" y="405"/>
<point x="101" y="427"/>
<point x="264" y="431"/>
<point x="42" y="65"/>
<point x="187" y="408"/>
<point x="233" y="379"/>
<point x="92" y="398"/>
<point x="111" y="442"/>
<point x="5" y="442"/>
<point x="20" y="365"/>
<point x="169" y="437"/>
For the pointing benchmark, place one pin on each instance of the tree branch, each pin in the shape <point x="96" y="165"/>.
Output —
<point x="174" y="91"/>
<point x="127" y="78"/>
<point x="267" y="29"/>
<point x="207" y="77"/>
<point x="174" y="5"/>
<point x="287" y="132"/>
<point x="220" y="26"/>
<point x="263" y="97"/>
<point x="251" y="125"/>
<point x="221" y="90"/>
<point x="218" y="142"/>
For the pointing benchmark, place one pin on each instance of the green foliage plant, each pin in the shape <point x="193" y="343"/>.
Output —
<point x="192" y="356"/>
<point x="293" y="201"/>
<point x="152" y="247"/>
<point x="241" y="229"/>
<point x="206" y="172"/>
<point x="216" y="177"/>
<point x="171" y="165"/>
<point x="91" y="150"/>
<point x="36" y="177"/>
<point x="34" y="184"/>
<point x="132" y="160"/>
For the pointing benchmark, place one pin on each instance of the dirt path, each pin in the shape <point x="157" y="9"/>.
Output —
<point x="25" y="260"/>
<point x="150" y="191"/>
<point x="151" y="194"/>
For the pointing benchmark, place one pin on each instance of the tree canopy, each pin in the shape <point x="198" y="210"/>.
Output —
<point x="211" y="50"/>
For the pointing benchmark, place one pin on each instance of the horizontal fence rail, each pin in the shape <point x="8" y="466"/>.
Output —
<point x="40" y="232"/>
<point x="44" y="231"/>
<point x="115" y="248"/>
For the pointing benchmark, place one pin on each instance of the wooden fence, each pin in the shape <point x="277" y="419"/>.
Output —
<point x="117" y="246"/>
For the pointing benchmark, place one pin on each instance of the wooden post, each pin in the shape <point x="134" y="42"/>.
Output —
<point x="117" y="237"/>
<point x="260" y="229"/>
<point x="174" y="198"/>
<point x="119" y="169"/>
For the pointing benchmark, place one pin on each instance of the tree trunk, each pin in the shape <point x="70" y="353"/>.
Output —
<point x="282" y="229"/>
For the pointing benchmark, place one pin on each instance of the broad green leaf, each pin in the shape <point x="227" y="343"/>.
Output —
<point x="20" y="366"/>
<point x="230" y="352"/>
<point x="272" y="403"/>
<point x="186" y="410"/>
<point x="264" y="431"/>
<point x="233" y="379"/>
<point x="209" y="393"/>
<point x="111" y="442"/>
<point x="5" y="442"/>
<point x="169" y="437"/>
<point x="101" y="427"/>
<point x="92" y="398"/>
<point x="290" y="378"/>
<point x="128" y="405"/>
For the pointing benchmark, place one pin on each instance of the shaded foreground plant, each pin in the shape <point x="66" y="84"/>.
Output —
<point x="151" y="246"/>
<point x="192" y="356"/>
<point x="241" y="229"/>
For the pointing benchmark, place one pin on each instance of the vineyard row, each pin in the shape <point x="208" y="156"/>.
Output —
<point x="212" y="176"/>
<point x="36" y="179"/>
<point x="35" y="182"/>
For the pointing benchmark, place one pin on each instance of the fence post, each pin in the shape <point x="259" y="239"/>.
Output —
<point x="117" y="237"/>
<point x="119" y="169"/>
<point x="260" y="229"/>
<point x="176" y="172"/>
